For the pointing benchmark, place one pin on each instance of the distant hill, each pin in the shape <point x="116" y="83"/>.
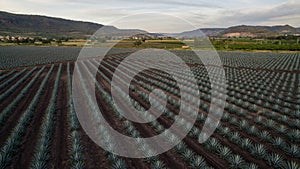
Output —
<point x="260" y="31"/>
<point x="242" y="31"/>
<point x="248" y="31"/>
<point x="199" y="32"/>
<point x="113" y="31"/>
<point x="285" y="29"/>
<point x="35" y="25"/>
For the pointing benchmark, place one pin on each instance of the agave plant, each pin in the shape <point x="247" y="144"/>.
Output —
<point x="198" y="162"/>
<point x="158" y="165"/>
<point x="282" y="129"/>
<point x="297" y="113"/>
<point x="224" y="151"/>
<point x="250" y="166"/>
<point x="294" y="135"/>
<point x="241" y="112"/>
<point x="76" y="158"/>
<point x="293" y="150"/>
<point x="225" y="117"/>
<point x="295" y="123"/>
<point x="39" y="165"/>
<point x="291" y="165"/>
<point x="235" y="161"/>
<point x="119" y="164"/>
<point x="246" y="144"/>
<point x="233" y="121"/>
<point x="252" y="130"/>
<point x="278" y="142"/>
<point x="78" y="165"/>
<point x="272" y="115"/>
<point x="187" y="154"/>
<point x="270" y="124"/>
<point x="212" y="144"/>
<point x="265" y="136"/>
<point x="14" y="87"/>
<point x="180" y="147"/>
<point x="275" y="160"/>
<point x="235" y="137"/>
<point x="259" y="151"/>
<point x="14" y="140"/>
<point x="225" y="131"/>
<point x="253" y="108"/>
<point x="243" y="124"/>
<point x="194" y="132"/>
<point x="4" y="159"/>
<point x="258" y="120"/>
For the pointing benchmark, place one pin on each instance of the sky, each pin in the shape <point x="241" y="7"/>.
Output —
<point x="164" y="15"/>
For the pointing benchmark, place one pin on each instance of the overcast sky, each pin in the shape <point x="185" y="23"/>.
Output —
<point x="199" y="13"/>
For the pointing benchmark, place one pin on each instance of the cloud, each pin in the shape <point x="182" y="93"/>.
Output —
<point x="285" y="13"/>
<point x="201" y="13"/>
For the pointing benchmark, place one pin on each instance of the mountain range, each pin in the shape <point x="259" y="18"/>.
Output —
<point x="35" y="25"/>
<point x="244" y="31"/>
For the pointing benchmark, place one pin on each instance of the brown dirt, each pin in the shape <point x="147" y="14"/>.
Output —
<point x="12" y="82"/>
<point x="12" y="96"/>
<point x="93" y="154"/>
<point x="247" y="156"/>
<point x="212" y="159"/>
<point x="27" y="149"/>
<point x="21" y="107"/>
<point x="59" y="146"/>
<point x="255" y="140"/>
<point x="117" y="125"/>
<point x="8" y="77"/>
<point x="173" y="160"/>
<point x="236" y="149"/>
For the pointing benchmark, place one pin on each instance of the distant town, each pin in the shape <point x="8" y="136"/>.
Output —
<point x="31" y="40"/>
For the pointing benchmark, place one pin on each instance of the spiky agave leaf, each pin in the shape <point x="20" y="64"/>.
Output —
<point x="294" y="135"/>
<point x="224" y="151"/>
<point x="198" y="162"/>
<point x="265" y="135"/>
<point x="246" y="144"/>
<point x="187" y="154"/>
<point x="291" y="165"/>
<point x="4" y="160"/>
<point x="278" y="142"/>
<point x="119" y="164"/>
<point x="39" y="165"/>
<point x="235" y="137"/>
<point x="236" y="161"/>
<point x="293" y="150"/>
<point x="78" y="165"/>
<point x="259" y="151"/>
<point x="212" y="144"/>
<point x="250" y="166"/>
<point x="158" y="165"/>
<point x="275" y="160"/>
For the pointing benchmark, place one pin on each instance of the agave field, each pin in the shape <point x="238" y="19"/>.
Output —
<point x="260" y="126"/>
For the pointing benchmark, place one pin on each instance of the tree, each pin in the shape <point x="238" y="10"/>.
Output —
<point x="59" y="41"/>
<point x="137" y="43"/>
<point x="46" y="41"/>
